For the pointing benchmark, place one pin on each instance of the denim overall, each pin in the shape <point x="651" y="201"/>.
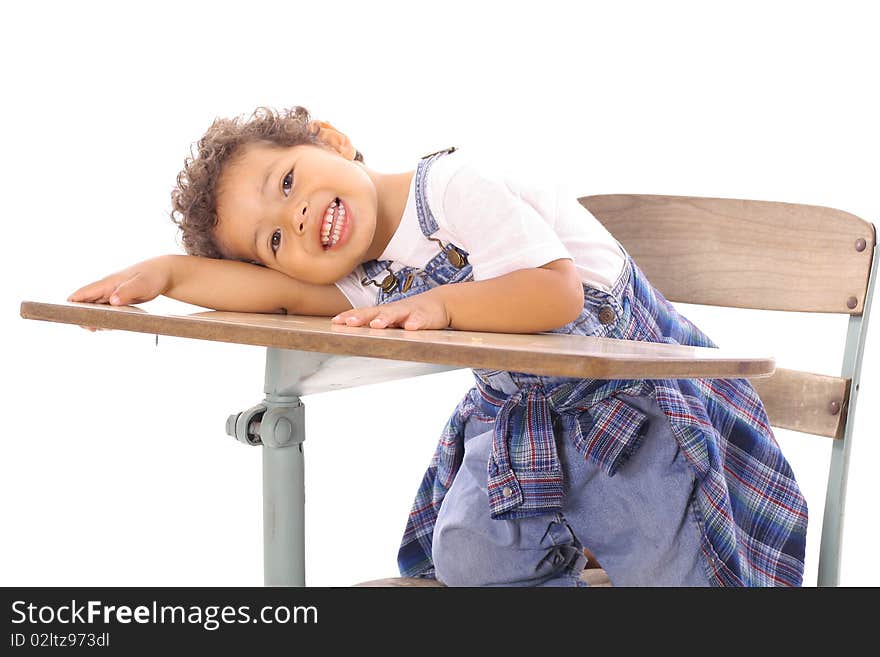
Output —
<point x="530" y="469"/>
<point x="439" y="271"/>
<point x="471" y="548"/>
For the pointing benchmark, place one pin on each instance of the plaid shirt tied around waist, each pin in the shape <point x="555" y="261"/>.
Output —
<point x="752" y="513"/>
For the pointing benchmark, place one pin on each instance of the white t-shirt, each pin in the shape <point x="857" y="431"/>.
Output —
<point x="503" y="225"/>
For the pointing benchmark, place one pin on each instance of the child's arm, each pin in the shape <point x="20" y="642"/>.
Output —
<point x="523" y="301"/>
<point x="217" y="284"/>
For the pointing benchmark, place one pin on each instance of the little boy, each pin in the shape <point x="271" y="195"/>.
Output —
<point x="666" y="482"/>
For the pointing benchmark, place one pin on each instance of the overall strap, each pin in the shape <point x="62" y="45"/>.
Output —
<point x="426" y="219"/>
<point x="427" y="223"/>
<point x="448" y="266"/>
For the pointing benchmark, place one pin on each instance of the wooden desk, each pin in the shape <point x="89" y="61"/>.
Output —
<point x="308" y="355"/>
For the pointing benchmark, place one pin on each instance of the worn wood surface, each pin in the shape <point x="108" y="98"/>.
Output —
<point x="744" y="254"/>
<point x="543" y="353"/>
<point x="802" y="401"/>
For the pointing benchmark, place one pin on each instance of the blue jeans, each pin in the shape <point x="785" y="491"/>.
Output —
<point x="640" y="524"/>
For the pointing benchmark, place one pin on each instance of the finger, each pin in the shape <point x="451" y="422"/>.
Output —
<point x="356" y="317"/>
<point x="92" y="293"/>
<point x="126" y="292"/>
<point x="362" y="317"/>
<point x="418" y="319"/>
<point x="391" y="316"/>
<point x="415" y="321"/>
<point x="345" y="314"/>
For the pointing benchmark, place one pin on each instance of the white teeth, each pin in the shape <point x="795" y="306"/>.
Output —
<point x="328" y="239"/>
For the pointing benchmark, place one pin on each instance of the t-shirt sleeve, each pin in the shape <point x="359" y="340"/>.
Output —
<point x="500" y="229"/>
<point x="356" y="293"/>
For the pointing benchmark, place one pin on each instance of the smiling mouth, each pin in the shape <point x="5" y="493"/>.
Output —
<point x="333" y="224"/>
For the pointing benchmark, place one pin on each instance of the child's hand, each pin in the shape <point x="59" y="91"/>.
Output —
<point x="420" y="311"/>
<point x="137" y="284"/>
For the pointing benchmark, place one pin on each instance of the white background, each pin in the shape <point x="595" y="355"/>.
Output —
<point x="114" y="464"/>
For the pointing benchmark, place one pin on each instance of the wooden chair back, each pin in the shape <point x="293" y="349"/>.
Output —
<point x="771" y="256"/>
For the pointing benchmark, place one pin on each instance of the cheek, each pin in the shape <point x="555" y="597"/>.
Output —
<point x="222" y="244"/>
<point x="224" y="232"/>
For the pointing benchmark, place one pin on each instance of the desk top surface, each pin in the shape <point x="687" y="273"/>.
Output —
<point x="548" y="354"/>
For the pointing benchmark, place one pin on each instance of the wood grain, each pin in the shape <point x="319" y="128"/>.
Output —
<point x="743" y="254"/>
<point x="543" y="353"/>
<point x="802" y="401"/>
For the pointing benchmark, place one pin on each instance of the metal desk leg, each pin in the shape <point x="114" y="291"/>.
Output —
<point x="284" y="562"/>
<point x="278" y="425"/>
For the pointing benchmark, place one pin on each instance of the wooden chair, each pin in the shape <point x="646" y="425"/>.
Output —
<point x="766" y="256"/>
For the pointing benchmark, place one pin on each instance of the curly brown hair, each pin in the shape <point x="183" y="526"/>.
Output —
<point x="194" y="200"/>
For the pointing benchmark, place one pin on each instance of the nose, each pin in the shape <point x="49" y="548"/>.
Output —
<point x="300" y="218"/>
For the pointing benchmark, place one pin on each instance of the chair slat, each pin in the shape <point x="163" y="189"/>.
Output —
<point x="745" y="254"/>
<point x="803" y="401"/>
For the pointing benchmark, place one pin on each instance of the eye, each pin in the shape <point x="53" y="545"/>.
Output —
<point x="287" y="183"/>
<point x="275" y="242"/>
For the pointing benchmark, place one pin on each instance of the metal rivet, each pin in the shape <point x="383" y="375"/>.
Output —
<point x="606" y="314"/>
<point x="861" y="244"/>
<point x="387" y="285"/>
<point x="283" y="431"/>
<point x="852" y="302"/>
<point x="458" y="261"/>
<point x="506" y="491"/>
<point x="834" y="407"/>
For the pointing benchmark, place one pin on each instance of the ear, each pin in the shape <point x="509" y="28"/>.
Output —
<point x="336" y="140"/>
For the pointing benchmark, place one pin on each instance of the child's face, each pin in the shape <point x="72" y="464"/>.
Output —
<point x="273" y="205"/>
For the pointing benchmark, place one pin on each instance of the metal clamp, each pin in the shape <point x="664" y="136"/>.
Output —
<point x="274" y="423"/>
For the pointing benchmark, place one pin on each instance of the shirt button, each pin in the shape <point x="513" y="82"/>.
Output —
<point x="606" y="314"/>
<point x="507" y="491"/>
